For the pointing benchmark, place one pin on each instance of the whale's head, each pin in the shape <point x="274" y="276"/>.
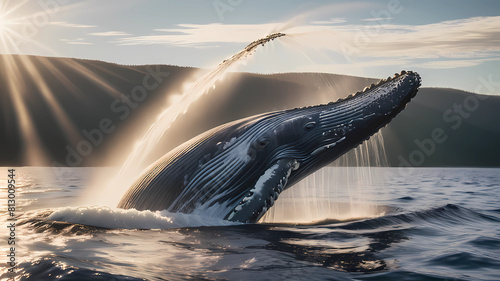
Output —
<point x="297" y="142"/>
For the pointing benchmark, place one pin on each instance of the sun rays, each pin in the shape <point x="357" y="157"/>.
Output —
<point x="3" y="23"/>
<point x="21" y="70"/>
<point x="32" y="148"/>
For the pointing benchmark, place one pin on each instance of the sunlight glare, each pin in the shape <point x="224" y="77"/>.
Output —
<point x="3" y="23"/>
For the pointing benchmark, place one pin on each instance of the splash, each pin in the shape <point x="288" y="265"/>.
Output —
<point x="136" y="161"/>
<point x="132" y="219"/>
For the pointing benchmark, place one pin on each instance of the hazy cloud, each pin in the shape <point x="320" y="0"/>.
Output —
<point x="331" y="21"/>
<point x="448" y="44"/>
<point x="110" y="33"/>
<point x="201" y="35"/>
<point x="77" y="41"/>
<point x="468" y="38"/>
<point x="73" y="25"/>
<point x="455" y="43"/>
<point x="377" y="19"/>
<point x="443" y="64"/>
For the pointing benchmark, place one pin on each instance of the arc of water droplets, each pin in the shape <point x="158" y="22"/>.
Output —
<point x="135" y="162"/>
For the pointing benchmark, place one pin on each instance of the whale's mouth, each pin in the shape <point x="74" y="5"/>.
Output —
<point x="346" y="124"/>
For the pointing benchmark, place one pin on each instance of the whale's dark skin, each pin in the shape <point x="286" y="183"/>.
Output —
<point x="236" y="171"/>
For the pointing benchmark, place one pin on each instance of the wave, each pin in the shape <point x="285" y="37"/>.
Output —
<point x="402" y="275"/>
<point x="113" y="218"/>
<point x="465" y="261"/>
<point x="449" y="214"/>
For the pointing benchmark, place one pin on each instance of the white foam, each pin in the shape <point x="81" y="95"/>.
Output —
<point x="132" y="219"/>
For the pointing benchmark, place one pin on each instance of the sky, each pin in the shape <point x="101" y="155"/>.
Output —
<point x="451" y="43"/>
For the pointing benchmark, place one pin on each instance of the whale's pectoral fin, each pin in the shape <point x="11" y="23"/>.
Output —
<point x="265" y="191"/>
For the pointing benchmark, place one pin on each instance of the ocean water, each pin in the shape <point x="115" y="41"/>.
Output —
<point x="340" y="224"/>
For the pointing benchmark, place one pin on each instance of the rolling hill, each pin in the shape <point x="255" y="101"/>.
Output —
<point x="440" y="127"/>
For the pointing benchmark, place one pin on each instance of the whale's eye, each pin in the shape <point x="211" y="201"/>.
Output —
<point x="309" y="126"/>
<point x="262" y="142"/>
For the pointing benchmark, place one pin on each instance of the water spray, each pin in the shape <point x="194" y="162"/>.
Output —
<point x="137" y="160"/>
<point x="252" y="46"/>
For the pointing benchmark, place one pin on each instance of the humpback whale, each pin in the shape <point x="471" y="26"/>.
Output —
<point x="237" y="170"/>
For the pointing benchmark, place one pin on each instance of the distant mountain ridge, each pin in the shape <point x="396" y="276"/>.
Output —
<point x="440" y="127"/>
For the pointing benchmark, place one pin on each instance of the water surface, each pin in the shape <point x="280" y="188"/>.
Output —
<point x="430" y="224"/>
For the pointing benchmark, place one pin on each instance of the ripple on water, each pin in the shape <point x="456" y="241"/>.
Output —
<point x="464" y="261"/>
<point x="488" y="243"/>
